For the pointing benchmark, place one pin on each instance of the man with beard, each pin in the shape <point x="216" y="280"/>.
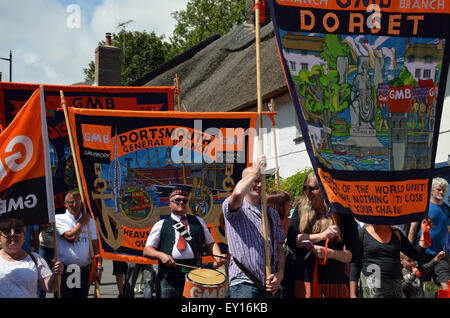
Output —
<point x="439" y="213"/>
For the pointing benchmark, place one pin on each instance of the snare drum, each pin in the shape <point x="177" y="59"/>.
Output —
<point x="205" y="283"/>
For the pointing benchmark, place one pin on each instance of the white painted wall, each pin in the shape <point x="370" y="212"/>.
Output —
<point x="292" y="157"/>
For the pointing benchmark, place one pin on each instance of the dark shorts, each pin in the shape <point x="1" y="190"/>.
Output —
<point x="441" y="269"/>
<point x="119" y="268"/>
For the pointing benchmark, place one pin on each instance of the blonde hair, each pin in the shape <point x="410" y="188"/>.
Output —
<point x="310" y="220"/>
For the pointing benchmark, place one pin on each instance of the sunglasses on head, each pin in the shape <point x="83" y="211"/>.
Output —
<point x="8" y="231"/>
<point x="179" y="200"/>
<point x="310" y="188"/>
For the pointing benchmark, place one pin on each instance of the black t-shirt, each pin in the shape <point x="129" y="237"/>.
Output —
<point x="384" y="255"/>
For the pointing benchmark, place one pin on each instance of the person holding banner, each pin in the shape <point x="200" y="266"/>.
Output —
<point x="20" y="271"/>
<point x="439" y="213"/>
<point x="177" y="242"/>
<point x="73" y="247"/>
<point x="243" y="223"/>
<point x="332" y="239"/>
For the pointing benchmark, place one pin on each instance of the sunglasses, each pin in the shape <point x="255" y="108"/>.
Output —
<point x="8" y="231"/>
<point x="179" y="200"/>
<point x="310" y="189"/>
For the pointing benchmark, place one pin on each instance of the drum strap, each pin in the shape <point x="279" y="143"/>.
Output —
<point x="179" y="227"/>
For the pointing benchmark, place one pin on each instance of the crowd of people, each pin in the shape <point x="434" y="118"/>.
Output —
<point x="307" y="252"/>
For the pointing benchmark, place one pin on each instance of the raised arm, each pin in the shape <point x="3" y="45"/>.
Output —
<point x="249" y="176"/>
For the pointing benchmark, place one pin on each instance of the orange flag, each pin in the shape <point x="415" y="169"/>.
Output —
<point x="26" y="191"/>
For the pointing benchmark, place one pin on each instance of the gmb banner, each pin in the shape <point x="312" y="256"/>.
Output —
<point x="26" y="192"/>
<point x="367" y="79"/>
<point x="131" y="161"/>
<point x="13" y="96"/>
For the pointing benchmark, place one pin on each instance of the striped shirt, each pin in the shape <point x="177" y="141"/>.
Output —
<point x="244" y="233"/>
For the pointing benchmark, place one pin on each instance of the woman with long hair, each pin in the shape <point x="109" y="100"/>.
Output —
<point x="323" y="245"/>
<point x="281" y="201"/>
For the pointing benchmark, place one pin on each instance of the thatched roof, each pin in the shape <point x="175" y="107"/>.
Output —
<point x="423" y="50"/>
<point x="221" y="75"/>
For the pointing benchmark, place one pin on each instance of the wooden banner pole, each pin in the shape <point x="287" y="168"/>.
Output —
<point x="80" y="185"/>
<point x="260" y="138"/>
<point x="178" y="92"/>
<point x="274" y="129"/>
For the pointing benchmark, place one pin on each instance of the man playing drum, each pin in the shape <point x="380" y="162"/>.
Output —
<point x="178" y="241"/>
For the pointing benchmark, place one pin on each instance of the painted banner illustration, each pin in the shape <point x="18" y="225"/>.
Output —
<point x="131" y="161"/>
<point x="26" y="191"/>
<point x="367" y="79"/>
<point x="13" y="96"/>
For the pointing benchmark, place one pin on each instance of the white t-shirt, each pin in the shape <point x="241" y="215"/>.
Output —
<point x="19" y="279"/>
<point x="77" y="252"/>
<point x="187" y="253"/>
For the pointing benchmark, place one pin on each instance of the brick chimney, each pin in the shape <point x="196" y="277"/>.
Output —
<point x="108" y="64"/>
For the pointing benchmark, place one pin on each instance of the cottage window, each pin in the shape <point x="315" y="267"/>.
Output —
<point x="293" y="66"/>
<point x="426" y="73"/>
<point x="418" y="72"/>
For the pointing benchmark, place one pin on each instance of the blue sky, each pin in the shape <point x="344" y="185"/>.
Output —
<point x="53" y="40"/>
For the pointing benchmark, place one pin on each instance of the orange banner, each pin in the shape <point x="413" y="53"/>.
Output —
<point x="25" y="181"/>
<point x="21" y="153"/>
<point x="131" y="161"/>
<point x="393" y="198"/>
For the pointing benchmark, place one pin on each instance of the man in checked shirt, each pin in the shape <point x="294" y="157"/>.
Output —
<point x="244" y="231"/>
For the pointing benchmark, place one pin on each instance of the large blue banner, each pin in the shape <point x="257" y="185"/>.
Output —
<point x="367" y="79"/>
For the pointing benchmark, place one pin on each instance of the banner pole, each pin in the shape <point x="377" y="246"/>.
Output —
<point x="80" y="185"/>
<point x="178" y="92"/>
<point x="274" y="128"/>
<point x="49" y="185"/>
<point x="260" y="138"/>
<point x="58" y="277"/>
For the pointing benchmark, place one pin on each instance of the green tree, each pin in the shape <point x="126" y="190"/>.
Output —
<point x="404" y="78"/>
<point x="293" y="183"/>
<point x="324" y="96"/>
<point x="202" y="19"/>
<point x="147" y="51"/>
<point x="332" y="48"/>
<point x="143" y="53"/>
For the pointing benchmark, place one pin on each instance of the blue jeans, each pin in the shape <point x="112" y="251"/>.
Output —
<point x="245" y="290"/>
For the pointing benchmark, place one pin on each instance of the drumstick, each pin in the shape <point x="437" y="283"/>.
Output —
<point x="188" y="266"/>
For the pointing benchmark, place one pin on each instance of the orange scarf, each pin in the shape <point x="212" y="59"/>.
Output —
<point x="315" y="285"/>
